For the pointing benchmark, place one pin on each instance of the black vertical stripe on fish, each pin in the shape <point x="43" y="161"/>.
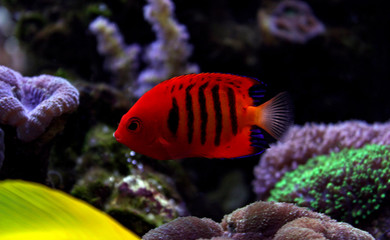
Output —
<point x="190" y="113"/>
<point x="218" y="114"/>
<point x="203" y="112"/>
<point x="173" y="117"/>
<point x="173" y="88"/>
<point x="232" y="110"/>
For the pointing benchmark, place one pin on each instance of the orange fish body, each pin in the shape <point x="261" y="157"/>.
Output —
<point x="210" y="115"/>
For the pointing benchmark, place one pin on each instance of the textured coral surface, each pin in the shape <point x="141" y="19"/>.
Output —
<point x="348" y="186"/>
<point x="260" y="221"/>
<point x="304" y="142"/>
<point x="30" y="103"/>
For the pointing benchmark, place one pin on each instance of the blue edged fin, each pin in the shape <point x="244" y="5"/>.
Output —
<point x="260" y="140"/>
<point x="257" y="92"/>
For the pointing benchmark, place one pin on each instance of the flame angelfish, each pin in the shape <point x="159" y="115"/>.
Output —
<point x="210" y="115"/>
<point x="35" y="212"/>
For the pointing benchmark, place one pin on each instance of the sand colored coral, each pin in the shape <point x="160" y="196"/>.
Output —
<point x="304" y="142"/>
<point x="260" y="221"/>
<point x="30" y="103"/>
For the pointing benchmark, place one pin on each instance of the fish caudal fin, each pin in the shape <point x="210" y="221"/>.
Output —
<point x="33" y="211"/>
<point x="275" y="115"/>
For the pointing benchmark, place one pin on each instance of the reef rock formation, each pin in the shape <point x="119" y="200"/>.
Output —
<point x="262" y="221"/>
<point x="31" y="103"/>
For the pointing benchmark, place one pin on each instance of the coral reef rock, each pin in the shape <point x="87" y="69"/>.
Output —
<point x="262" y="221"/>
<point x="31" y="103"/>
<point x="142" y="200"/>
<point x="304" y="142"/>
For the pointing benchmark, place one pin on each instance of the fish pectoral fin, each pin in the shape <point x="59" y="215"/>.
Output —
<point x="165" y="147"/>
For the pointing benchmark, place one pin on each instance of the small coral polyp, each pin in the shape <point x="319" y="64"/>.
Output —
<point x="31" y="103"/>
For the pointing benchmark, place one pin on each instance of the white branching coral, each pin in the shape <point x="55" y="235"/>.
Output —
<point x="120" y="59"/>
<point x="164" y="58"/>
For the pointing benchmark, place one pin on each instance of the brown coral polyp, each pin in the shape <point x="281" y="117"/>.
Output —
<point x="189" y="228"/>
<point x="260" y="221"/>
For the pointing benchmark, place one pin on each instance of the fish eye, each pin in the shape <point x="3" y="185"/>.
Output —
<point x="134" y="125"/>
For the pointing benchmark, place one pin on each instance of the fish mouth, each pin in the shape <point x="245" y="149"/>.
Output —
<point x="115" y="135"/>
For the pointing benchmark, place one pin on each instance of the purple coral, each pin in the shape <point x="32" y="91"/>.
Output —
<point x="292" y="21"/>
<point x="30" y="103"/>
<point x="304" y="142"/>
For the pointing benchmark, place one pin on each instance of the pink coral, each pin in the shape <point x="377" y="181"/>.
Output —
<point x="304" y="142"/>
<point x="30" y="103"/>
<point x="292" y="21"/>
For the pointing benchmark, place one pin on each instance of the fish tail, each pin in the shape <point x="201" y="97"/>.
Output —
<point x="275" y="115"/>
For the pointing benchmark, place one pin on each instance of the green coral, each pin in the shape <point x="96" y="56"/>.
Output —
<point x="349" y="185"/>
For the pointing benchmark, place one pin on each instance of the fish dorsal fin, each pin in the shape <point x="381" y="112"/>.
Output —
<point x="33" y="211"/>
